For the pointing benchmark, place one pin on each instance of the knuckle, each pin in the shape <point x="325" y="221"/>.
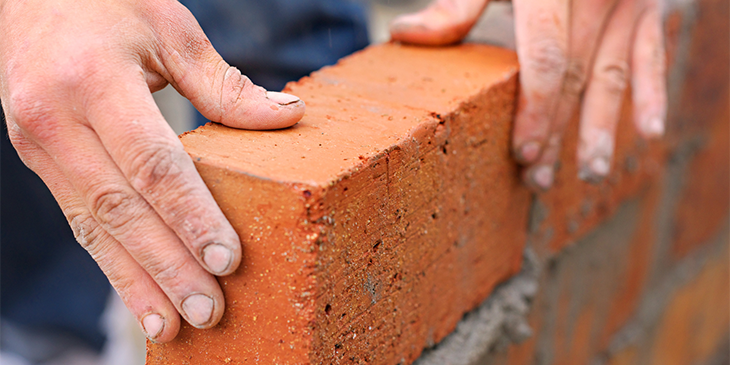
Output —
<point x="15" y="134"/>
<point x="75" y="74"/>
<point x="22" y="144"/>
<point x="113" y="207"/>
<point x="546" y="58"/>
<point x="168" y="273"/>
<point x="123" y="284"/>
<point x="575" y="78"/>
<point x="27" y="150"/>
<point x="614" y="76"/>
<point x="85" y="228"/>
<point x="658" y="60"/>
<point x="154" y="165"/>
<point x="31" y="111"/>
<point x="234" y="87"/>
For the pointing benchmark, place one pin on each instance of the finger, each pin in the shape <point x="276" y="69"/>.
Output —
<point x="442" y="22"/>
<point x="126" y="216"/>
<point x="142" y="296"/>
<point x="541" y="32"/>
<point x="587" y="22"/>
<point x="605" y="93"/>
<point x="540" y="175"/>
<point x="152" y="159"/>
<point x="220" y="92"/>
<point x="648" y="74"/>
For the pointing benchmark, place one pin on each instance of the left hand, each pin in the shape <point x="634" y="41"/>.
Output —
<point x="572" y="53"/>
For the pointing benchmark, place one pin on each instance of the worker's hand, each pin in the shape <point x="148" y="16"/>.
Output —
<point x="571" y="52"/>
<point x="76" y="78"/>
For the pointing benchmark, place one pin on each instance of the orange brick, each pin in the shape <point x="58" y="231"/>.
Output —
<point x="370" y="227"/>
<point x="703" y="97"/>
<point x="705" y="199"/>
<point x="703" y="113"/>
<point x="694" y="325"/>
<point x="592" y="289"/>
<point x="696" y="322"/>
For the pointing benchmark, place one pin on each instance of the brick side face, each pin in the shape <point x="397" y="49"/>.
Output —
<point x="415" y="240"/>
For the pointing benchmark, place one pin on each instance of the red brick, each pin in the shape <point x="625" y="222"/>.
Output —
<point x="695" y="325"/>
<point x="705" y="199"/>
<point x="370" y="227"/>
<point x="703" y="113"/>
<point x="703" y="97"/>
<point x="591" y="290"/>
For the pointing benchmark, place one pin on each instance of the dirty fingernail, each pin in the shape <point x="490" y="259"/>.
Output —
<point x="543" y="176"/>
<point x="402" y="26"/>
<point x="600" y="166"/>
<point x="529" y="151"/>
<point x="198" y="309"/>
<point x="282" y="98"/>
<point x="654" y="127"/>
<point x="217" y="257"/>
<point x="153" y="324"/>
<point x="595" y="170"/>
<point x="417" y="22"/>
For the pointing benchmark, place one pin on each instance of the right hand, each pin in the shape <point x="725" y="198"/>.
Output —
<point x="76" y="78"/>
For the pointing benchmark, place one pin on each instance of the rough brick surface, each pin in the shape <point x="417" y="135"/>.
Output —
<point x="702" y="120"/>
<point x="370" y="227"/>
<point x="691" y="324"/>
<point x="589" y="290"/>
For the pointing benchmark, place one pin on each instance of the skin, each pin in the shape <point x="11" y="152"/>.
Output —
<point x="573" y="54"/>
<point x="76" y="78"/>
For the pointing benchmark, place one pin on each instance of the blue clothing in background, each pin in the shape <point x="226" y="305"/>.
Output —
<point x="277" y="41"/>
<point x="48" y="281"/>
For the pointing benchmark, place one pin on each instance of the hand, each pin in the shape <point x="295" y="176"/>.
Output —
<point x="571" y="52"/>
<point x="76" y="78"/>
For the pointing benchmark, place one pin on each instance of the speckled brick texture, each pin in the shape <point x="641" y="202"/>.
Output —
<point x="371" y="226"/>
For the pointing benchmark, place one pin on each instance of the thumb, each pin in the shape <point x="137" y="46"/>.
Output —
<point x="442" y="22"/>
<point x="219" y="91"/>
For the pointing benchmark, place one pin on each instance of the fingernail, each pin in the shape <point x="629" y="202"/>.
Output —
<point x="543" y="176"/>
<point x="530" y="151"/>
<point x="654" y="127"/>
<point x="282" y="98"/>
<point x="595" y="170"/>
<point x="600" y="166"/>
<point x="217" y="257"/>
<point x="153" y="324"/>
<point x="405" y="25"/>
<point x="198" y="308"/>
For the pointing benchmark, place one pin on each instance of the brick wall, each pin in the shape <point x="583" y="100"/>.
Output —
<point x="390" y="226"/>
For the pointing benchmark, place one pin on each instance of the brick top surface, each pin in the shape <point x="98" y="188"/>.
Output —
<point x="352" y="116"/>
